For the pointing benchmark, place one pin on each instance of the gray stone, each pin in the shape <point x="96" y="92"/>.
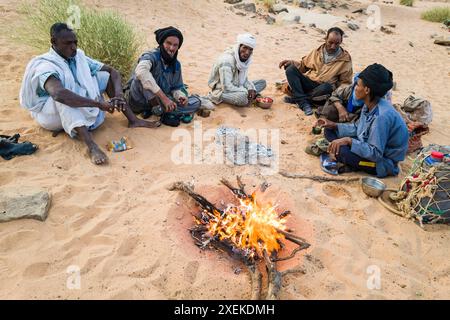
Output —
<point x="277" y="8"/>
<point x="353" y="26"/>
<point x="24" y="203"/>
<point x="232" y="1"/>
<point x="270" y="19"/>
<point x="303" y="4"/>
<point x="325" y="5"/>
<point x="249" y="7"/>
<point x="291" y="19"/>
<point x="442" y="41"/>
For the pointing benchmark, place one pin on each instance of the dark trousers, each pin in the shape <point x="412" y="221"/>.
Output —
<point x="349" y="158"/>
<point x="303" y="88"/>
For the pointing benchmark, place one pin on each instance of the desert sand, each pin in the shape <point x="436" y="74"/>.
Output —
<point x="128" y="234"/>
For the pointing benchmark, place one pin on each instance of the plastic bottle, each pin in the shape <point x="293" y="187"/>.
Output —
<point x="434" y="158"/>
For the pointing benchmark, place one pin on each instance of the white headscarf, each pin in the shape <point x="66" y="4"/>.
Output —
<point x="248" y="40"/>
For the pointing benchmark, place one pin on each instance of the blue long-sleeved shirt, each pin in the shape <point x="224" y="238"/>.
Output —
<point x="380" y="136"/>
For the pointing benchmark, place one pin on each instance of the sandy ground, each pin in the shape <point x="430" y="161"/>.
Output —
<point x="127" y="233"/>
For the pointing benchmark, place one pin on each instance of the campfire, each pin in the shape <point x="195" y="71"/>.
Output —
<point x="249" y="231"/>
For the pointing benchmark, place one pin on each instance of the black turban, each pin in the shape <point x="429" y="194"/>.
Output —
<point x="164" y="33"/>
<point x="377" y="78"/>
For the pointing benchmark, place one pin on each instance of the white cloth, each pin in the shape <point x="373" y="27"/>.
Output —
<point x="248" y="40"/>
<point x="87" y="86"/>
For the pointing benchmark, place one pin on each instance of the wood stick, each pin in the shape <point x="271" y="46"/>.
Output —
<point x="316" y="178"/>
<point x="291" y="255"/>
<point x="284" y="214"/>
<point x="205" y="204"/>
<point x="241" y="185"/>
<point x="299" y="269"/>
<point x="274" y="278"/>
<point x="293" y="238"/>
<point x="238" y="192"/>
<point x="256" y="279"/>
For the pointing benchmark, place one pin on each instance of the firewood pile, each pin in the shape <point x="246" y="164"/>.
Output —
<point x="251" y="232"/>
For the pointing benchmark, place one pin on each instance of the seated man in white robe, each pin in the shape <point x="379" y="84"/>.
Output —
<point x="63" y="91"/>
<point x="228" y="79"/>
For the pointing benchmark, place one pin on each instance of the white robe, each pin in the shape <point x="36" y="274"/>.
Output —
<point x="54" y="115"/>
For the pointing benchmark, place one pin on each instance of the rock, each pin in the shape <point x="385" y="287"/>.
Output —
<point x="411" y="44"/>
<point x="249" y="7"/>
<point x="303" y="4"/>
<point x="385" y="30"/>
<point x="277" y="8"/>
<point x="24" y="203"/>
<point x="241" y="13"/>
<point x="344" y="6"/>
<point x="434" y="35"/>
<point x="353" y="26"/>
<point x="270" y="19"/>
<point x="290" y="19"/>
<point x="442" y="41"/>
<point x="325" y="5"/>
<point x="232" y="1"/>
<point x="392" y="25"/>
<point x="358" y="11"/>
<point x="312" y="25"/>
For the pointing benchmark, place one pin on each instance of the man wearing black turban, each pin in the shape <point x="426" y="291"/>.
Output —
<point x="169" y="48"/>
<point x="379" y="140"/>
<point x="157" y="83"/>
<point x="377" y="80"/>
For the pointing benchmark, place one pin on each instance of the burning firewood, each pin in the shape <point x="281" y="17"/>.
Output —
<point x="249" y="231"/>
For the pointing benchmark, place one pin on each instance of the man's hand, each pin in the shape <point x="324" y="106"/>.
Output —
<point x="106" y="106"/>
<point x="169" y="105"/>
<point x="335" y="145"/>
<point x="251" y="95"/>
<point x="182" y="100"/>
<point x="343" y="113"/>
<point x="325" y="123"/>
<point x="119" y="103"/>
<point x="285" y="63"/>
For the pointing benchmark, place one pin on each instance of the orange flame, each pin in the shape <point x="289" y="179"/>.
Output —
<point x="249" y="226"/>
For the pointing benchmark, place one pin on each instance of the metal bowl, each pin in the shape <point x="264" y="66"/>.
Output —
<point x="264" y="103"/>
<point x="373" y="187"/>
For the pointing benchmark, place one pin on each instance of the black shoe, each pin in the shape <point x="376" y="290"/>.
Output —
<point x="288" y="99"/>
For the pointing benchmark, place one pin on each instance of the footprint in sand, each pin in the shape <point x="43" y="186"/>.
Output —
<point x="336" y="191"/>
<point x="146" y="272"/>
<point x="7" y="57"/>
<point x="191" y="270"/>
<point x="36" y="270"/>
<point x="18" y="240"/>
<point x="127" y="247"/>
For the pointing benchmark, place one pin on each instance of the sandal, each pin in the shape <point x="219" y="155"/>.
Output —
<point x="328" y="165"/>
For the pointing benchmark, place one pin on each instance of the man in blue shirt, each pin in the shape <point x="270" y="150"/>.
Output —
<point x="63" y="89"/>
<point x="378" y="141"/>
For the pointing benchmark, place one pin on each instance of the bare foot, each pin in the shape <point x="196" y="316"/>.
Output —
<point x="144" y="124"/>
<point x="97" y="155"/>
